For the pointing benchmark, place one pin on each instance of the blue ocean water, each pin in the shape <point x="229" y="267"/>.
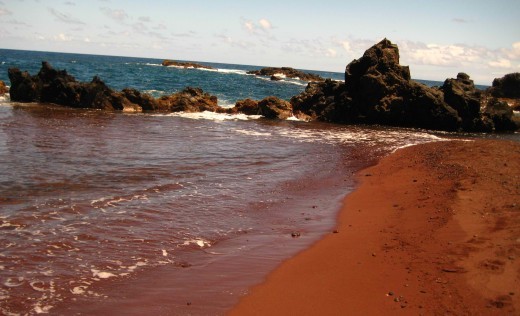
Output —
<point x="229" y="83"/>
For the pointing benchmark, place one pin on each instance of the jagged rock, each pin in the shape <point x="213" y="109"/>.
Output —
<point x="275" y="78"/>
<point x="461" y="95"/>
<point x="168" y="63"/>
<point x="3" y="88"/>
<point x="275" y="108"/>
<point x="325" y="101"/>
<point x="247" y="106"/>
<point x="189" y="100"/>
<point x="56" y="86"/>
<point x="377" y="90"/>
<point x="501" y="115"/>
<point x="286" y="71"/>
<point x="23" y="87"/>
<point x="144" y="101"/>
<point x="507" y="86"/>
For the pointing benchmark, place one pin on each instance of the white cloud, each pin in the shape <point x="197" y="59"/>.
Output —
<point x="249" y="26"/>
<point x="145" y="19"/>
<point x="4" y="11"/>
<point x="441" y="55"/>
<point x="265" y="24"/>
<point x="64" y="17"/>
<point x="514" y="52"/>
<point x="460" y="20"/>
<point x="63" y="38"/>
<point x="86" y="40"/>
<point x="160" y="27"/>
<point x="116" y="14"/>
<point x="501" y="63"/>
<point x="331" y="53"/>
<point x="346" y="46"/>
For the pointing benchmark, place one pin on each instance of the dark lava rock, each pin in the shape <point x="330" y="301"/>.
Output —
<point x="275" y="108"/>
<point x="247" y="106"/>
<point x="507" y="86"/>
<point x="189" y="100"/>
<point x="463" y="97"/>
<point x="287" y="71"/>
<point x="378" y="90"/>
<point x="184" y="64"/>
<point x="58" y="87"/>
<point x="501" y="115"/>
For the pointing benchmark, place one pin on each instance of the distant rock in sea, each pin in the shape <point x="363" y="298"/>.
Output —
<point x="277" y="74"/>
<point x="378" y="90"/>
<point x="171" y="63"/>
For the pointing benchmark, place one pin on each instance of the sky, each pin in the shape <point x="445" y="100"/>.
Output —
<point x="436" y="38"/>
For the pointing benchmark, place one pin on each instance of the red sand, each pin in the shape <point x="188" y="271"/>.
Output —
<point x="432" y="229"/>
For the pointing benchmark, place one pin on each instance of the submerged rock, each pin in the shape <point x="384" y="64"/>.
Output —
<point x="275" y="73"/>
<point x="168" y="63"/>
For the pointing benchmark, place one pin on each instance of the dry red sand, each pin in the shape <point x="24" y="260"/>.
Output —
<point x="432" y="229"/>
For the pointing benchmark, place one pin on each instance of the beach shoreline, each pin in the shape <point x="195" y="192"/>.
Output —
<point x="431" y="229"/>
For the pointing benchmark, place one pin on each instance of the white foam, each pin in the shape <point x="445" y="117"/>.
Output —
<point x="207" y="69"/>
<point x="233" y="71"/>
<point x="207" y="115"/>
<point x="252" y="133"/>
<point x="280" y="75"/>
<point x="101" y="274"/>
<point x="294" y="118"/>
<point x="42" y="309"/>
<point x="14" y="282"/>
<point x="78" y="290"/>
<point x="153" y="65"/>
<point x="199" y="242"/>
<point x="5" y="98"/>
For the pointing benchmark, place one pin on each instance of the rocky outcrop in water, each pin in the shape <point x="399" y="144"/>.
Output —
<point x="499" y="114"/>
<point x="247" y="106"/>
<point x="3" y="88"/>
<point x="378" y="90"/>
<point x="507" y="86"/>
<point x="275" y="108"/>
<point x="463" y="97"/>
<point x="274" y="73"/>
<point x="173" y="63"/>
<point x="270" y="107"/>
<point x="58" y="87"/>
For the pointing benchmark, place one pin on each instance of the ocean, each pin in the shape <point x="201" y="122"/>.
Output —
<point x="114" y="213"/>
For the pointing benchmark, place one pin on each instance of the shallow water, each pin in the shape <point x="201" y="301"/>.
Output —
<point x="89" y="199"/>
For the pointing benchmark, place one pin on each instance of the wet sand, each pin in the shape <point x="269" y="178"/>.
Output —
<point x="432" y="229"/>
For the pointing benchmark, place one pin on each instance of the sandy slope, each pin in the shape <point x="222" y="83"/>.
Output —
<point x="432" y="229"/>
